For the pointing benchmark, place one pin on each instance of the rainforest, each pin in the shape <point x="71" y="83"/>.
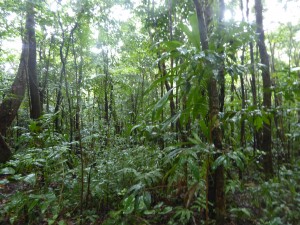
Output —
<point x="149" y="112"/>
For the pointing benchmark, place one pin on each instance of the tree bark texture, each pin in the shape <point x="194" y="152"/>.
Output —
<point x="266" y="130"/>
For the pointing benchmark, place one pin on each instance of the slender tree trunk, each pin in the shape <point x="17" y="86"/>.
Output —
<point x="43" y="92"/>
<point x="256" y="136"/>
<point x="117" y="123"/>
<point x="232" y="125"/>
<point x="278" y="117"/>
<point x="106" y="88"/>
<point x="222" y="66"/>
<point x="106" y="96"/>
<point x="289" y="140"/>
<point x="78" y="78"/>
<point x="35" y="106"/>
<point x="243" y="95"/>
<point x="171" y="97"/>
<point x="217" y="188"/>
<point x="63" y="58"/>
<point x="168" y="88"/>
<point x="266" y="130"/>
<point x="162" y="65"/>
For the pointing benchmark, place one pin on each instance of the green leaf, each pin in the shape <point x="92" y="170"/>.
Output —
<point x="192" y="34"/>
<point x="166" y="210"/>
<point x="149" y="212"/>
<point x="115" y="214"/>
<point x="237" y="158"/>
<point x="172" y="119"/>
<point x="141" y="203"/>
<point x="50" y="197"/>
<point x="7" y="171"/>
<point x="30" y="178"/>
<point x="195" y="171"/>
<point x="62" y="222"/>
<point x="171" y="45"/>
<point x="155" y="83"/>
<point x="159" y="105"/>
<point x="258" y="122"/>
<point x="204" y="128"/>
<point x="147" y="198"/>
<point x="45" y="206"/>
<point x="128" y="204"/>
<point x="196" y="140"/>
<point x="135" y="188"/>
<point x="221" y="160"/>
<point x="32" y="204"/>
<point x="135" y="127"/>
<point x="163" y="100"/>
<point x="266" y="119"/>
<point x="241" y="212"/>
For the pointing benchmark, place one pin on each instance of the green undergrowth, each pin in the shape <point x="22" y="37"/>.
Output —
<point x="127" y="183"/>
<point x="272" y="202"/>
<point x="45" y="184"/>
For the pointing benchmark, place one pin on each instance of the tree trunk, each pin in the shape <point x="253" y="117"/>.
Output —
<point x="35" y="104"/>
<point x="63" y="58"/>
<point x="11" y="103"/>
<point x="78" y="78"/>
<point x="5" y="151"/>
<point x="256" y="136"/>
<point x="106" y="88"/>
<point x="222" y="67"/>
<point x="43" y="93"/>
<point x="216" y="190"/>
<point x="107" y="81"/>
<point x="169" y="86"/>
<point x="243" y="96"/>
<point x="266" y="130"/>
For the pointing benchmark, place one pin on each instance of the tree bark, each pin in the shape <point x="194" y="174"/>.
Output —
<point x="266" y="130"/>
<point x="35" y="104"/>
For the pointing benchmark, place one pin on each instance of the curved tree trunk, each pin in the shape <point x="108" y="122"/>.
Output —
<point x="10" y="105"/>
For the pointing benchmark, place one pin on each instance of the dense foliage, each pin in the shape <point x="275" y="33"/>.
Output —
<point x="128" y="132"/>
